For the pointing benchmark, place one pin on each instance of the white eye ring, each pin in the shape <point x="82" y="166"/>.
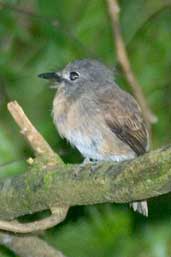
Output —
<point x="73" y="75"/>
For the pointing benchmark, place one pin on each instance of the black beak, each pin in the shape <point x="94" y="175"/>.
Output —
<point x="51" y="75"/>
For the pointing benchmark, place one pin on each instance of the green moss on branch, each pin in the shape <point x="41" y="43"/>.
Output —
<point x="41" y="188"/>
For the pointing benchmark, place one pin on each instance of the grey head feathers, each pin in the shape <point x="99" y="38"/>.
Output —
<point x="91" y="70"/>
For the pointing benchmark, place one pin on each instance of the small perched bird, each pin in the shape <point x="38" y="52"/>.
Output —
<point x="96" y="116"/>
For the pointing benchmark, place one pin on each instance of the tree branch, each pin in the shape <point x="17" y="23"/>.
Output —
<point x="144" y="177"/>
<point x="27" y="246"/>
<point x="35" y="139"/>
<point x="57" y="217"/>
<point x="123" y="59"/>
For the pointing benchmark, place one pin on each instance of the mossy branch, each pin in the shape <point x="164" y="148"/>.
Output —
<point x="41" y="188"/>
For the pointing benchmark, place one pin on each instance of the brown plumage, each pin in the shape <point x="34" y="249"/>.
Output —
<point x="124" y="118"/>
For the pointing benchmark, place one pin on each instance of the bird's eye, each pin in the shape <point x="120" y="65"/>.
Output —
<point x="74" y="75"/>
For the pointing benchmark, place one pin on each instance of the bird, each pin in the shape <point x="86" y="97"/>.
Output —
<point x="100" y="119"/>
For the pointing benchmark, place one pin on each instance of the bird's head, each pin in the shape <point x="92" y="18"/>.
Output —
<point x="80" y="75"/>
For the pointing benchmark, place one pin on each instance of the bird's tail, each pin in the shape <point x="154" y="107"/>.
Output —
<point x="140" y="207"/>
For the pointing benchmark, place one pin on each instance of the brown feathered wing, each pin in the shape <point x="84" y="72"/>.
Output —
<point x="123" y="116"/>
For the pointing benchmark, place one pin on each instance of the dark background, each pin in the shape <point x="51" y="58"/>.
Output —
<point x="38" y="36"/>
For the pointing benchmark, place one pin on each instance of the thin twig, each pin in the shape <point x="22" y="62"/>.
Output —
<point x="26" y="246"/>
<point x="37" y="142"/>
<point x="58" y="215"/>
<point x="114" y="10"/>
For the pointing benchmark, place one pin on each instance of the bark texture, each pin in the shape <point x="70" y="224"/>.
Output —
<point x="44" y="187"/>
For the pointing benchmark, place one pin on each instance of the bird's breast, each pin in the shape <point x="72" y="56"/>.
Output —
<point x="76" y="125"/>
<point x="66" y="115"/>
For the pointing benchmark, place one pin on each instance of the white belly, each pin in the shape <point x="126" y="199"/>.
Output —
<point x="90" y="147"/>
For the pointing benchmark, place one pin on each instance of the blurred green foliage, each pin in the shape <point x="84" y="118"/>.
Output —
<point x="41" y="35"/>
